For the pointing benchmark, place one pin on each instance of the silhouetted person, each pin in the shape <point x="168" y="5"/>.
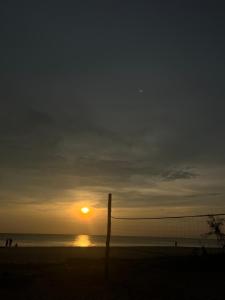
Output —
<point x="16" y="245"/>
<point x="195" y="251"/>
<point x="175" y="244"/>
<point x="10" y="243"/>
<point x="204" y="252"/>
<point x="6" y="243"/>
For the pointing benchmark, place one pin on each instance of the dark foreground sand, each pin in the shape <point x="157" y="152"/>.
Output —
<point x="135" y="273"/>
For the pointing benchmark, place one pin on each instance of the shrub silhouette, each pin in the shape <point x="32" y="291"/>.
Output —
<point x="216" y="229"/>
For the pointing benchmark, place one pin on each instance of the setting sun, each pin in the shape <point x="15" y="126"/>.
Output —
<point x="85" y="210"/>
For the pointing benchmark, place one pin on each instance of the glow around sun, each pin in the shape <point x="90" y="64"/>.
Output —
<point x="85" y="210"/>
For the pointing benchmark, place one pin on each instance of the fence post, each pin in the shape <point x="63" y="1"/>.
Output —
<point x="107" y="248"/>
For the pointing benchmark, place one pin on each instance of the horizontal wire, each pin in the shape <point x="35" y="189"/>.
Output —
<point x="173" y="217"/>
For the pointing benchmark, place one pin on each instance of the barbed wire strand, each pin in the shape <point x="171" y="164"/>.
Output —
<point x="162" y="218"/>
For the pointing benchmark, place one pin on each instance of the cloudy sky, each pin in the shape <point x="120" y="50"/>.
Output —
<point x="110" y="96"/>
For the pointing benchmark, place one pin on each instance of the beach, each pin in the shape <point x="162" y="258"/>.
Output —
<point x="24" y="255"/>
<point x="134" y="273"/>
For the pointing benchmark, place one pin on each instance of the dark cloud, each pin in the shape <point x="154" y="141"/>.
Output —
<point x="72" y="116"/>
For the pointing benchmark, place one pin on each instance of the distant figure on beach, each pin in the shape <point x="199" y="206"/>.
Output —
<point x="8" y="243"/>
<point x="16" y="245"/>
<point x="203" y="251"/>
<point x="175" y="244"/>
<point x="195" y="251"/>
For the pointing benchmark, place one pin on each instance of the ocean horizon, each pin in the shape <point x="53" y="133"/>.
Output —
<point x="85" y="240"/>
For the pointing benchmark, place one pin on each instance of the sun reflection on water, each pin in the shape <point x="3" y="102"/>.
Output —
<point x="83" y="241"/>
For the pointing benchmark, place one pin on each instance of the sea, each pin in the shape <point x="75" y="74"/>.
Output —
<point x="84" y="240"/>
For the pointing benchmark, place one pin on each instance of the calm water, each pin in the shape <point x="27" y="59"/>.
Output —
<point x="59" y="240"/>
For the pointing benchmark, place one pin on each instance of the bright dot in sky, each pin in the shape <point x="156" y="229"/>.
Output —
<point x="85" y="210"/>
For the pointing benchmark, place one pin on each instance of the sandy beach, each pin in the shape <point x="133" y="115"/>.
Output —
<point x="24" y="255"/>
<point x="135" y="273"/>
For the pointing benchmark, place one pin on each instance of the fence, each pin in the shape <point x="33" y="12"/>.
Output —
<point x="205" y="226"/>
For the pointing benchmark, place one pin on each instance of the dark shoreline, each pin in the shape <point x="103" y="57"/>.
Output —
<point x="158" y="273"/>
<point x="62" y="254"/>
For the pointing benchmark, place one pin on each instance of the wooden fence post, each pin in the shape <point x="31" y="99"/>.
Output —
<point x="107" y="248"/>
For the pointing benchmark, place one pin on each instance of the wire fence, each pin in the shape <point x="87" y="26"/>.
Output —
<point x="183" y="230"/>
<point x="205" y="230"/>
<point x="167" y="217"/>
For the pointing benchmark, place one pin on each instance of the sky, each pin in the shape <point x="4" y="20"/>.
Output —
<point x="105" y="96"/>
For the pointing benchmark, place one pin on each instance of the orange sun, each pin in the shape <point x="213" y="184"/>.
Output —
<point x="85" y="210"/>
